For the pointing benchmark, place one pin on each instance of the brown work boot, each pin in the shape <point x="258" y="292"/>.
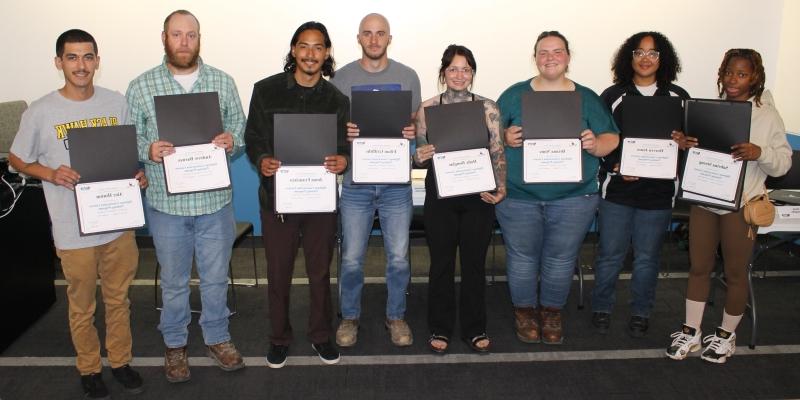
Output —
<point x="226" y="356"/>
<point x="551" y="326"/>
<point x="526" y="323"/>
<point x="176" y="365"/>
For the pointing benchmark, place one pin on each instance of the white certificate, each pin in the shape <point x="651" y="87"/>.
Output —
<point x="711" y="174"/>
<point x="463" y="172"/>
<point x="109" y="206"/>
<point x="378" y="160"/>
<point x="551" y="160"/>
<point x="196" y="168"/>
<point x="649" y="158"/>
<point x="304" y="189"/>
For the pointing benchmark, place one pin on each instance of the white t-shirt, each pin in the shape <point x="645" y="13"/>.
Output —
<point x="188" y="80"/>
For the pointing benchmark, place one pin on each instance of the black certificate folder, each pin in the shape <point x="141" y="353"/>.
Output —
<point x="188" y="119"/>
<point x="718" y="124"/>
<point x="459" y="126"/>
<point x="551" y="115"/>
<point x="104" y="153"/>
<point x="381" y="114"/>
<point x="652" y="117"/>
<point x="304" y="139"/>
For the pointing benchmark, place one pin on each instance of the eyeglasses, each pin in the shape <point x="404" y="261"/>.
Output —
<point x="651" y="54"/>
<point x="456" y="70"/>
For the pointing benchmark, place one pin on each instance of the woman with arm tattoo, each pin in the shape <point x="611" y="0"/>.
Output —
<point x="464" y="222"/>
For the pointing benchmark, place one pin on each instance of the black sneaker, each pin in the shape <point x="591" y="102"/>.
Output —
<point x="93" y="386"/>
<point x="131" y="380"/>
<point x="637" y="326"/>
<point x="276" y="358"/>
<point x="327" y="352"/>
<point x="601" y="321"/>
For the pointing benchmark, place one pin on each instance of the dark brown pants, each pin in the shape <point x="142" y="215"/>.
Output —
<point x="707" y="231"/>
<point x="282" y="238"/>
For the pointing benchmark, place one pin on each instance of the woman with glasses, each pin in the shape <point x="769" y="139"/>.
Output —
<point x="463" y="222"/>
<point x="544" y="224"/>
<point x="634" y="210"/>
<point x="740" y="77"/>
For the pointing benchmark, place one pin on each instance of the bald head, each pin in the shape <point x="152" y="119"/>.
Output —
<point x="374" y="38"/>
<point x="373" y="19"/>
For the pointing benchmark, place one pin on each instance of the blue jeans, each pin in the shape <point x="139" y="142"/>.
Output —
<point x="209" y="238"/>
<point x="620" y="226"/>
<point x="542" y="241"/>
<point x="357" y="208"/>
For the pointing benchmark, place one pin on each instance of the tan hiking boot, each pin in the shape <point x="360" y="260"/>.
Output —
<point x="226" y="356"/>
<point x="400" y="332"/>
<point x="347" y="333"/>
<point x="526" y="324"/>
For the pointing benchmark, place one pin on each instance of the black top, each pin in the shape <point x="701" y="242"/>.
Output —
<point x="280" y="94"/>
<point x="645" y="193"/>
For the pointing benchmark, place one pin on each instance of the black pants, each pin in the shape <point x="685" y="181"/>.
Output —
<point x="464" y="223"/>
<point x="281" y="241"/>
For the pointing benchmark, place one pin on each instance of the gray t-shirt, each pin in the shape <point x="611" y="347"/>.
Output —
<point x="43" y="138"/>
<point x="353" y="75"/>
<point x="395" y="76"/>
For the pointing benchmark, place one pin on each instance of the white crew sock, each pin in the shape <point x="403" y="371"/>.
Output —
<point x="694" y="313"/>
<point x="730" y="322"/>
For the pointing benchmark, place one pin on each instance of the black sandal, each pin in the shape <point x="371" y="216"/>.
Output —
<point x="441" y="338"/>
<point x="473" y="343"/>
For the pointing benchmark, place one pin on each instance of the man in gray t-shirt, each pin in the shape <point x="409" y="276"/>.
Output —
<point x="41" y="150"/>
<point x="358" y="204"/>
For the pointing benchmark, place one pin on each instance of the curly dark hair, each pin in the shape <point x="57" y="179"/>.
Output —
<point x="669" y="64"/>
<point x="759" y="77"/>
<point x="329" y="66"/>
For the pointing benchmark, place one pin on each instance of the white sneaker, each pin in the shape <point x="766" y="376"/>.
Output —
<point x="685" y="341"/>
<point x="721" y="345"/>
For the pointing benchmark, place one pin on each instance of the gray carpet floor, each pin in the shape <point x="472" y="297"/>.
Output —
<point x="588" y="365"/>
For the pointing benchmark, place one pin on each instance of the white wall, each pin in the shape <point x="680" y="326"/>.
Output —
<point x="249" y="39"/>
<point x="788" y="80"/>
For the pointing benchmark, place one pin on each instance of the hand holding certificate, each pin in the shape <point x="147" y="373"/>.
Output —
<point x="107" y="198"/>
<point x="462" y="164"/>
<point x="302" y="183"/>
<point x="190" y="122"/>
<point x="380" y="154"/>
<point x="647" y="149"/>
<point x="551" y="149"/>
<point x="711" y="175"/>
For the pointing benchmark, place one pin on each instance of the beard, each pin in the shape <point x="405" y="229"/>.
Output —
<point x="375" y="54"/>
<point x="180" y="60"/>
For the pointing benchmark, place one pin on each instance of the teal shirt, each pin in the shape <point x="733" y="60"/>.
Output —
<point x="157" y="82"/>
<point x="594" y="116"/>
